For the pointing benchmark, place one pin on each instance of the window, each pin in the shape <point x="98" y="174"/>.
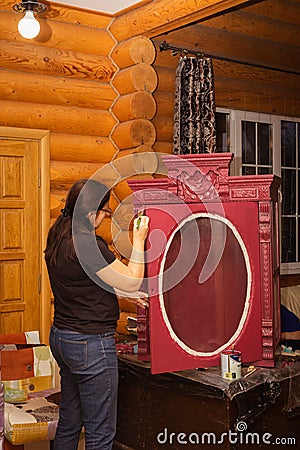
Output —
<point x="257" y="148"/>
<point x="265" y="144"/>
<point x="222" y="125"/>
<point x="290" y="151"/>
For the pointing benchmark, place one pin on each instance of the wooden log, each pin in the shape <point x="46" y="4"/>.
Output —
<point x="55" y="207"/>
<point x="113" y="201"/>
<point x="145" y="148"/>
<point x="161" y="16"/>
<point x="59" y="119"/>
<point x="238" y="47"/>
<point x="123" y="216"/>
<point x="163" y="147"/>
<point x="255" y="74"/>
<point x="287" y="10"/>
<point x="126" y="161"/>
<point x="166" y="78"/>
<point x="165" y="103"/>
<point x="76" y="148"/>
<point x="127" y="305"/>
<point x="75" y="37"/>
<point x="109" y="175"/>
<point x="57" y="202"/>
<point x="122" y="243"/>
<point x="164" y="59"/>
<point x="68" y="172"/>
<point x="122" y="322"/>
<point x="140" y="77"/>
<point x="134" y="133"/>
<point x="242" y="22"/>
<point x="104" y="230"/>
<point x="60" y="91"/>
<point x="133" y="51"/>
<point x="50" y="61"/>
<point x="122" y="190"/>
<point x="164" y="128"/>
<point x="268" y="90"/>
<point x="64" y="13"/>
<point x="137" y="162"/>
<point x="257" y="102"/>
<point x="136" y="105"/>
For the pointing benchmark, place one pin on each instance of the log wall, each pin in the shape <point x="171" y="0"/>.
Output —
<point x="134" y="108"/>
<point x="61" y="81"/>
<point x="94" y="94"/>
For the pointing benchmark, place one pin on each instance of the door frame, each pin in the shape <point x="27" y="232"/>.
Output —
<point x="43" y="139"/>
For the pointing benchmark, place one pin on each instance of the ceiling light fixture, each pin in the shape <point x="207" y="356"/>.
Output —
<point x="28" y="26"/>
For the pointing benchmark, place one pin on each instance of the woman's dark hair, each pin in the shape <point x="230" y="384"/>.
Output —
<point x="84" y="196"/>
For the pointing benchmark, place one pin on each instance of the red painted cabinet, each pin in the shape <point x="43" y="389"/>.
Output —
<point x="212" y="270"/>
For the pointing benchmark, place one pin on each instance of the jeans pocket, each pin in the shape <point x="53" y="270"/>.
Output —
<point x="73" y="353"/>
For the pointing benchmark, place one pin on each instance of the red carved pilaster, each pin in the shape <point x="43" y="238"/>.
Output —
<point x="143" y="333"/>
<point x="264" y="215"/>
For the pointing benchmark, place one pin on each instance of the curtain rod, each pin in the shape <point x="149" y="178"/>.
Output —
<point x="185" y="51"/>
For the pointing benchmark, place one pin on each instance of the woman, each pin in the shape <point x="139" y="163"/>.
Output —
<point x="83" y="275"/>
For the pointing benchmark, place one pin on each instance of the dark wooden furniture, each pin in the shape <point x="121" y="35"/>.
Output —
<point x="207" y="408"/>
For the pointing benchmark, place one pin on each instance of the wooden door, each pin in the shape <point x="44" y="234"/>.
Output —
<point x="20" y="240"/>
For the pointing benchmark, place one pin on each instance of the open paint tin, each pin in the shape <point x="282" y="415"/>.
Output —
<point x="231" y="364"/>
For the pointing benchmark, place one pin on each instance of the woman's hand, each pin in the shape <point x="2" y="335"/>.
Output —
<point x="139" y="298"/>
<point x="143" y="302"/>
<point x="140" y="228"/>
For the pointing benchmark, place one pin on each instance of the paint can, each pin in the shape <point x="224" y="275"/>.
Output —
<point x="231" y="364"/>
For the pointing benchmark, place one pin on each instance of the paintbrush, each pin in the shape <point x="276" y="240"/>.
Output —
<point x="138" y="223"/>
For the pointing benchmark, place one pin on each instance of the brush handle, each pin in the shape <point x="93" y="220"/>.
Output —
<point x="138" y="223"/>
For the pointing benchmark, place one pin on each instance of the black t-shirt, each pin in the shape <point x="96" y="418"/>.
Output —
<point x="81" y="304"/>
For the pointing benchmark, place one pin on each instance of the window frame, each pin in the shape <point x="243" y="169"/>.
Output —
<point x="235" y="138"/>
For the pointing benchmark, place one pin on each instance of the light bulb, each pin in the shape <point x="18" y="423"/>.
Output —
<point x="29" y="27"/>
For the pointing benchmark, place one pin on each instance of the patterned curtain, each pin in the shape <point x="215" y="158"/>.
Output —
<point x="194" y="115"/>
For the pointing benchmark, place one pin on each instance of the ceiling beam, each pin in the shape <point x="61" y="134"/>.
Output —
<point x="161" y="16"/>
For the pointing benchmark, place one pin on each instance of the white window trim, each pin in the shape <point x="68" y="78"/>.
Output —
<point x="235" y="132"/>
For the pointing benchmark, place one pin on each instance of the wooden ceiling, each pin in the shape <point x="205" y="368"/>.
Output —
<point x="256" y="56"/>
<point x="263" y="33"/>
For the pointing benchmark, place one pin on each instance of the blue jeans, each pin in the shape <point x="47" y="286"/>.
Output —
<point x="89" y="385"/>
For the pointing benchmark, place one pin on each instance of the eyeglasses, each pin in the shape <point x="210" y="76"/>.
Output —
<point x="107" y="211"/>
